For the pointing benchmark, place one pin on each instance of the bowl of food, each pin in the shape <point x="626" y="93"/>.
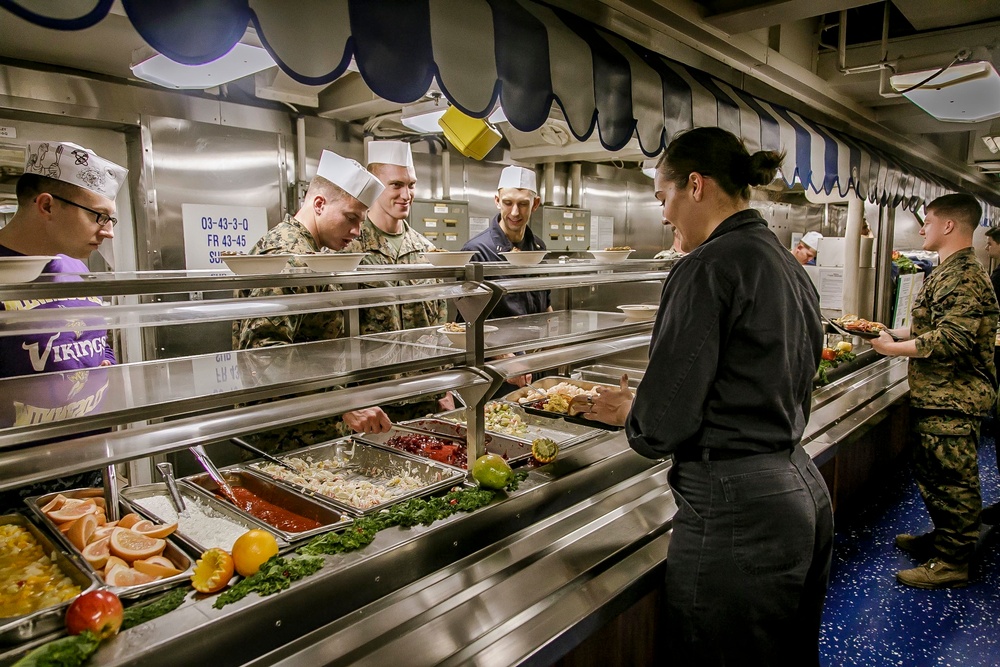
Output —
<point x="455" y="332"/>
<point x="612" y="255"/>
<point x="254" y="264"/>
<point x="525" y="257"/>
<point x="639" y="311"/>
<point x="448" y="257"/>
<point x="332" y="262"/>
<point x="23" y="268"/>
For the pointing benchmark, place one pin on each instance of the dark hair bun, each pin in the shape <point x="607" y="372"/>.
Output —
<point x="763" y="166"/>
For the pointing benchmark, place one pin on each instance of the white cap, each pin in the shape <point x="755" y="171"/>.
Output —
<point x="75" y="165"/>
<point x="517" y="177"/>
<point x="811" y="239"/>
<point x="390" y="152"/>
<point x="350" y="177"/>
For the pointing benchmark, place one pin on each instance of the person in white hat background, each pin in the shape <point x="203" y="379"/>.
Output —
<point x="805" y="249"/>
<point x="516" y="199"/>
<point x="65" y="209"/>
<point x="335" y="205"/>
<point x="388" y="239"/>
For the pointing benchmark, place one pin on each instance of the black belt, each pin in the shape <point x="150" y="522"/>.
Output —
<point x="712" y="454"/>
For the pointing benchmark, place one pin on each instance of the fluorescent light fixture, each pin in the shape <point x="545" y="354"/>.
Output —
<point x="991" y="143"/>
<point x="423" y="117"/>
<point x="242" y="60"/>
<point x="964" y="93"/>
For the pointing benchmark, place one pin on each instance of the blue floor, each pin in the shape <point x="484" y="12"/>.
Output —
<point x="871" y="620"/>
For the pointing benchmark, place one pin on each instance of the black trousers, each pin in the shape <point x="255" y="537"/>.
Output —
<point x="749" y="561"/>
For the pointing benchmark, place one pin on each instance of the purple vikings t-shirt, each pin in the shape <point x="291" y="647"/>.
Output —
<point x="72" y="389"/>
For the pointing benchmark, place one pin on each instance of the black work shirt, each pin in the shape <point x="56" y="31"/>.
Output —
<point x="735" y="346"/>
<point x="488" y="245"/>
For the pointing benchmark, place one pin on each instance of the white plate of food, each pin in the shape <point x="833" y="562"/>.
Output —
<point x="256" y="264"/>
<point x="612" y="255"/>
<point x="525" y="257"/>
<point x="639" y="311"/>
<point x="448" y="257"/>
<point x="22" y="268"/>
<point x="332" y="262"/>
<point x="455" y="332"/>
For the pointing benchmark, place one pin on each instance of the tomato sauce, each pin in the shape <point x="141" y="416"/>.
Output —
<point x="271" y="514"/>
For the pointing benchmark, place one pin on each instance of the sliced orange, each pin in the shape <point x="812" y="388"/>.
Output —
<point x="103" y="504"/>
<point x="152" y="530"/>
<point x="54" y="504"/>
<point x="65" y="526"/>
<point x="101" y="532"/>
<point x="81" y="530"/>
<point x="156" y="569"/>
<point x="162" y="560"/>
<point x="131" y="546"/>
<point x="113" y="561"/>
<point x="129" y="520"/>
<point x="212" y="571"/>
<point x="71" y="511"/>
<point x="97" y="552"/>
<point x="141" y="526"/>
<point x="126" y="576"/>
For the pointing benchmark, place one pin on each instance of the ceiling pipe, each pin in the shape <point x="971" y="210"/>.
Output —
<point x="575" y="171"/>
<point x="881" y="65"/>
<point x="445" y="173"/>
<point x="549" y="182"/>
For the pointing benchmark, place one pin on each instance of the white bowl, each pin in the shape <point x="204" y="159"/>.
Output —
<point x="610" y="256"/>
<point x="457" y="338"/>
<point x="22" y="269"/>
<point x="251" y="264"/>
<point x="449" y="257"/>
<point x="639" y="311"/>
<point x="332" y="262"/>
<point x="525" y="257"/>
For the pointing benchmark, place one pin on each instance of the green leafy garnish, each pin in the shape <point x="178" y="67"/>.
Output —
<point x="138" y="614"/>
<point x="66" y="652"/>
<point x="276" y="574"/>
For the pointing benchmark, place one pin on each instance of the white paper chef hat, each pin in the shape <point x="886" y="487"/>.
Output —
<point x="350" y="177"/>
<point x="390" y="152"/>
<point x="811" y="239"/>
<point x="76" y="165"/>
<point x="517" y="177"/>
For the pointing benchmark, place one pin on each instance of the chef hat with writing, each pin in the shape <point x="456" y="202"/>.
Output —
<point x="811" y="239"/>
<point x="76" y="165"/>
<point x="390" y="152"/>
<point x="517" y="177"/>
<point x="350" y="177"/>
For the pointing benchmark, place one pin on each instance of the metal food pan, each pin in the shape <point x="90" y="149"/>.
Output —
<point x="172" y="552"/>
<point x="18" y="629"/>
<point x="281" y="495"/>
<point x="383" y="439"/>
<point x="610" y="374"/>
<point x="377" y="464"/>
<point x="134" y="495"/>
<point x="512" y="449"/>
<point x="560" y="431"/>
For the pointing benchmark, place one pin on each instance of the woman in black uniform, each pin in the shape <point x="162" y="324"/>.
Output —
<point x="727" y="393"/>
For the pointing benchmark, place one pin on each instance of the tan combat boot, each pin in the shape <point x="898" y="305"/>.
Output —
<point x="921" y="546"/>
<point x="934" y="574"/>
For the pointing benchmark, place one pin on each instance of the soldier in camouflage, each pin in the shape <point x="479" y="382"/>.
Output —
<point x="952" y="386"/>
<point x="388" y="240"/>
<point x="330" y="217"/>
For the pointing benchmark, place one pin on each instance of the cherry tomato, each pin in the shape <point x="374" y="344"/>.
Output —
<point x="829" y="354"/>
<point x="97" y="611"/>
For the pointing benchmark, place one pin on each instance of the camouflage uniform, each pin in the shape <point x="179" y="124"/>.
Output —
<point x="414" y="315"/>
<point x="952" y="386"/>
<point x="290" y="237"/>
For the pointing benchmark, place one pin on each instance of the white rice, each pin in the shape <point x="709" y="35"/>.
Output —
<point x="199" y="522"/>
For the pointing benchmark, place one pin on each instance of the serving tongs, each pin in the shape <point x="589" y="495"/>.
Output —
<point x="239" y="442"/>
<point x="213" y="472"/>
<point x="167" y="472"/>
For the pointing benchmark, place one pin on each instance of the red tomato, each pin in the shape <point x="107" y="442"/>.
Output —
<point x="97" y="611"/>
<point x="829" y="354"/>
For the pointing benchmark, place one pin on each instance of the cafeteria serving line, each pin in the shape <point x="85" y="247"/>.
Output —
<point x="510" y="528"/>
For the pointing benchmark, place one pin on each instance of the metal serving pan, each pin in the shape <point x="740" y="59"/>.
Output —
<point x="364" y="462"/>
<point x="264" y="487"/>
<point x="513" y="450"/>
<point x="452" y="438"/>
<point x="135" y="495"/>
<point x="560" y="431"/>
<point x="172" y="552"/>
<point x="18" y="629"/>
<point x="515" y="397"/>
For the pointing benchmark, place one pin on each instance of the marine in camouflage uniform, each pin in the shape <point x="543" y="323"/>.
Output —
<point x="290" y="236"/>
<point x="414" y="315"/>
<point x="952" y="386"/>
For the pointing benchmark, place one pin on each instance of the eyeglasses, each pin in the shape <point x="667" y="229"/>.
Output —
<point x="101" y="219"/>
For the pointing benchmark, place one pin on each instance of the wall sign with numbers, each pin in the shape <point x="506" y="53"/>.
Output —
<point x="210" y="230"/>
